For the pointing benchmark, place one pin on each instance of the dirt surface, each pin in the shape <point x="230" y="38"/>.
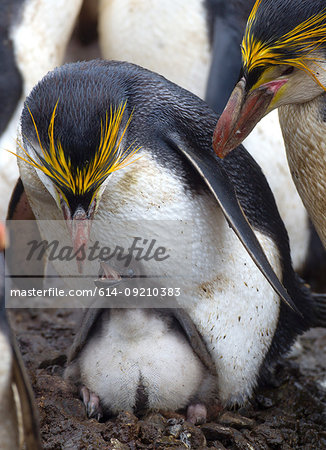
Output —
<point x="290" y="413"/>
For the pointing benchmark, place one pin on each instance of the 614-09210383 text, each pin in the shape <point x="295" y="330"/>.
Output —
<point x="99" y="291"/>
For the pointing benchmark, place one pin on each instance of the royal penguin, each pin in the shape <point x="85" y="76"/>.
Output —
<point x="283" y="53"/>
<point x="166" y="171"/>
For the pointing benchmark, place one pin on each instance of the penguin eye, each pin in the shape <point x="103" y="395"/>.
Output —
<point x="288" y="71"/>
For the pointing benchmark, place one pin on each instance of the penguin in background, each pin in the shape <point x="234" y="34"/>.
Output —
<point x="226" y="21"/>
<point x="196" y="44"/>
<point x="18" y="416"/>
<point x="244" y="323"/>
<point x="33" y="40"/>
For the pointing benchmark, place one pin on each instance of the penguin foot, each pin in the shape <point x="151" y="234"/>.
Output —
<point x="197" y="413"/>
<point x="92" y="404"/>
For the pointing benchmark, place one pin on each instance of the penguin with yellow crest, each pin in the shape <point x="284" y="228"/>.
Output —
<point x="104" y="141"/>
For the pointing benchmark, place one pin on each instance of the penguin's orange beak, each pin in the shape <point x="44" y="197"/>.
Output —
<point x="242" y="112"/>
<point x="79" y="225"/>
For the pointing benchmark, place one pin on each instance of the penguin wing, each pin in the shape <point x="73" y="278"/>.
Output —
<point x="89" y="320"/>
<point x="19" y="207"/>
<point x="195" y="340"/>
<point x="26" y="398"/>
<point x="211" y="170"/>
<point x="20" y="210"/>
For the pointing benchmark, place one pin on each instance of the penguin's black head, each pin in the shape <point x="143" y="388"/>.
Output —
<point x="74" y="126"/>
<point x="74" y="134"/>
<point x="285" y="33"/>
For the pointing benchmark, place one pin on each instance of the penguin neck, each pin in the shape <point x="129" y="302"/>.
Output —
<point x="304" y="132"/>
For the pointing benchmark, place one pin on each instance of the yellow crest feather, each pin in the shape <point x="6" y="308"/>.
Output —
<point x="107" y="158"/>
<point x="293" y="48"/>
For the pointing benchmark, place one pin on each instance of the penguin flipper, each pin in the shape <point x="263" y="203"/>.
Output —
<point x="26" y="398"/>
<point x="89" y="320"/>
<point x="193" y="336"/>
<point x="20" y="378"/>
<point x="30" y="426"/>
<point x="20" y="209"/>
<point x="319" y="302"/>
<point x="211" y="170"/>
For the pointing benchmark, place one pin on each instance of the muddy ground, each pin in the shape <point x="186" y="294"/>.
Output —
<point x="289" y="414"/>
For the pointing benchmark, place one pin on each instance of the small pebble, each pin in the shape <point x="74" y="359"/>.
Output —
<point x="235" y="420"/>
<point x="214" y="431"/>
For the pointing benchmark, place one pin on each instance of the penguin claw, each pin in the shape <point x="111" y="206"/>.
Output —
<point x="84" y="392"/>
<point x="197" y="413"/>
<point x="92" y="404"/>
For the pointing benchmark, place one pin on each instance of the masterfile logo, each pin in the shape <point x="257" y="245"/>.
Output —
<point x="140" y="249"/>
<point x="124" y="263"/>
